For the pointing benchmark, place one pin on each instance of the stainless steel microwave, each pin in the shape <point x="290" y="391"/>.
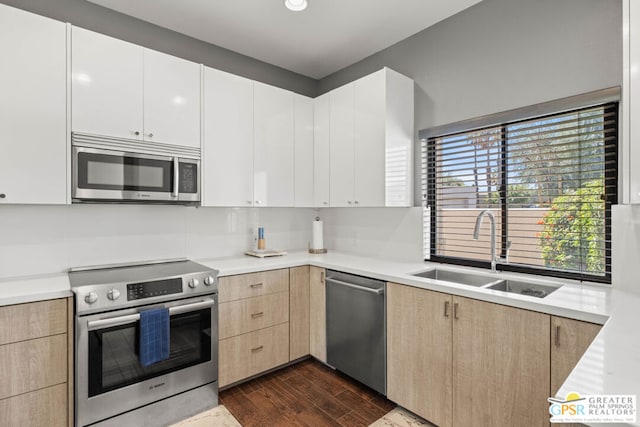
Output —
<point x="129" y="174"/>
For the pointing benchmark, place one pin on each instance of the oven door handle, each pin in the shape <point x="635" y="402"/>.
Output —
<point x="123" y="320"/>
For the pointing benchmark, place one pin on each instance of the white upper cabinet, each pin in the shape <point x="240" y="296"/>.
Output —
<point x="303" y="150"/>
<point x="124" y="90"/>
<point x="371" y="141"/>
<point x="171" y="99"/>
<point x="33" y="109"/>
<point x="633" y="102"/>
<point x="341" y="151"/>
<point x="273" y="145"/>
<point x="321" y="157"/>
<point x="106" y="85"/>
<point x="228" y="140"/>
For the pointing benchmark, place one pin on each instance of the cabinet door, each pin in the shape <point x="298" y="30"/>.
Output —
<point x="419" y="341"/>
<point x="171" y="99"/>
<point x="569" y="340"/>
<point x="106" y="85"/>
<point x="369" y="140"/>
<point x="321" y="143"/>
<point x="33" y="107"/>
<point x="317" y="314"/>
<point x="500" y="365"/>
<point x="273" y="146"/>
<point x="634" y="98"/>
<point x="299" y="312"/>
<point x="341" y="150"/>
<point x="227" y="149"/>
<point x="303" y="161"/>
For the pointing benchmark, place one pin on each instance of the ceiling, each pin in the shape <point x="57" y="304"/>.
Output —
<point x="326" y="37"/>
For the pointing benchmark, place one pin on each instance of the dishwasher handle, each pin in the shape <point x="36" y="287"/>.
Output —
<point x="378" y="291"/>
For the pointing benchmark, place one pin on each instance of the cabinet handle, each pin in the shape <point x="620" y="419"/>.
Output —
<point x="557" y="335"/>
<point x="248" y="202"/>
<point x="322" y="277"/>
<point x="258" y="314"/>
<point x="356" y="202"/>
<point x="253" y="350"/>
<point x="446" y="309"/>
<point x="150" y="135"/>
<point x="349" y="201"/>
<point x="2" y="196"/>
<point x="455" y="310"/>
<point x="258" y="202"/>
<point x="255" y="285"/>
<point x="136" y="133"/>
<point x="325" y="203"/>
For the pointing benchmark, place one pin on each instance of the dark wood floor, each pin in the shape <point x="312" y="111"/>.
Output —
<point x="305" y="394"/>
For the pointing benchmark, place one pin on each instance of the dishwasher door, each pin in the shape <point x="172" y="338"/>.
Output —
<point x="356" y="328"/>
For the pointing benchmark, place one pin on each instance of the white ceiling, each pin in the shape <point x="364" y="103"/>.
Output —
<point x="326" y="37"/>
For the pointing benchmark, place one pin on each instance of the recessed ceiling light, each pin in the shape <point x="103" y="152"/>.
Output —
<point x="296" y="5"/>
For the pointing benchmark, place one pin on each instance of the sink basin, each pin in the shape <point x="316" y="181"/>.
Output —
<point x="456" y="277"/>
<point x="524" y="288"/>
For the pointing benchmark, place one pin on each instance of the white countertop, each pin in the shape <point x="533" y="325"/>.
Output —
<point x="611" y="365"/>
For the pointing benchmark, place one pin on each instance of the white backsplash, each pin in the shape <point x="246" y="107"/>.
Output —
<point x="389" y="233"/>
<point x="49" y="239"/>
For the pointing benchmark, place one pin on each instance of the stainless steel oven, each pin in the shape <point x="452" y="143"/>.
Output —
<point x="112" y="386"/>
<point x="112" y="170"/>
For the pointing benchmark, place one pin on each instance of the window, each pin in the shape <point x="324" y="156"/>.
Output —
<point x="549" y="181"/>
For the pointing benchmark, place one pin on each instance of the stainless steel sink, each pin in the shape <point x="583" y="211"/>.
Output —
<point x="524" y="288"/>
<point x="456" y="277"/>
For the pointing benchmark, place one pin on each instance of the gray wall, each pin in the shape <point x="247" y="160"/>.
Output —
<point x="106" y="21"/>
<point x="503" y="54"/>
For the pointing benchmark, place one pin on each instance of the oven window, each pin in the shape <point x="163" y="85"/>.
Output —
<point x="112" y="172"/>
<point x="113" y="352"/>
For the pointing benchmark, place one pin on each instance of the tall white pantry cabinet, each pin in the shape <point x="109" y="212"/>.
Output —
<point x="33" y="109"/>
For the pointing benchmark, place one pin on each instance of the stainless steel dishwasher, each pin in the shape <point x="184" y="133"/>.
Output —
<point x="356" y="328"/>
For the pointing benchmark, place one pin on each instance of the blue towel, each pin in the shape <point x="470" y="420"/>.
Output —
<point x="154" y="336"/>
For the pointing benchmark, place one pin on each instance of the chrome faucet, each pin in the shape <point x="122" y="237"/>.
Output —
<point x="476" y="233"/>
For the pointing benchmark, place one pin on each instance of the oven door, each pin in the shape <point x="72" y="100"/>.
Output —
<point x="100" y="174"/>
<point x="109" y="377"/>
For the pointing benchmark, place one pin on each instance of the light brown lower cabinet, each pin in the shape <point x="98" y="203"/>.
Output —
<point x="45" y="407"/>
<point x="317" y="314"/>
<point x="461" y="362"/>
<point x="249" y="354"/>
<point x="419" y="342"/>
<point x="299" y="312"/>
<point x="36" y="364"/>
<point x="569" y="340"/>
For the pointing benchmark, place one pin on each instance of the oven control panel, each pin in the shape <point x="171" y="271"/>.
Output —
<point x="155" y="288"/>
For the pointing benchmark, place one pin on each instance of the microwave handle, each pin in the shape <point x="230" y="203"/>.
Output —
<point x="176" y="177"/>
<point x="123" y="320"/>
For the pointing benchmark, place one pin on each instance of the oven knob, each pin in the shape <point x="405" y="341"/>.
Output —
<point x="113" y="294"/>
<point x="193" y="283"/>
<point x="91" y="297"/>
<point x="209" y="280"/>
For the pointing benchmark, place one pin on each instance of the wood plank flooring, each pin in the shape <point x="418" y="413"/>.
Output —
<point x="305" y="394"/>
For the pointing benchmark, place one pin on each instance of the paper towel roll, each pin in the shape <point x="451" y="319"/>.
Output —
<point x="316" y="235"/>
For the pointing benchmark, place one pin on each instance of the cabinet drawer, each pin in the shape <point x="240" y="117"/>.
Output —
<point x="43" y="408"/>
<point x="252" y="353"/>
<point x="254" y="284"/>
<point x="34" y="364"/>
<point x="34" y="320"/>
<point x="251" y="314"/>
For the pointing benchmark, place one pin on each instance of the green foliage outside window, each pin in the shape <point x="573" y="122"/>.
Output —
<point x="573" y="237"/>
